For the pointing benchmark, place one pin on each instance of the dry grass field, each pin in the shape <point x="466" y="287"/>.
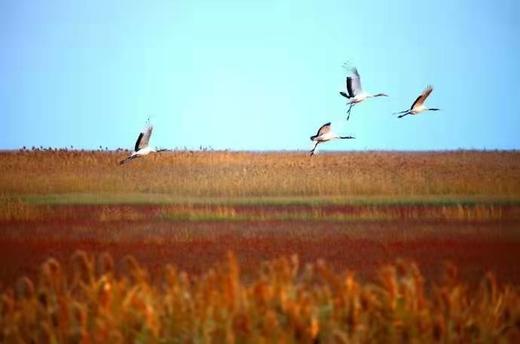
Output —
<point x="366" y="238"/>
<point x="184" y="176"/>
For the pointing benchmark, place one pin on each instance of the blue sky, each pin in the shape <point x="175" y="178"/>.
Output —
<point x="258" y="74"/>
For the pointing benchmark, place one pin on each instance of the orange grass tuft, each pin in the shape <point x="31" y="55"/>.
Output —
<point x="281" y="303"/>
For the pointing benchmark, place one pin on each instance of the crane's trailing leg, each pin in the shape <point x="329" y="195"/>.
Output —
<point x="313" y="149"/>
<point x="131" y="157"/>
<point x="349" y="109"/>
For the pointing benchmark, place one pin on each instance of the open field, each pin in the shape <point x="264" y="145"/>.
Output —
<point x="194" y="237"/>
<point x="357" y="211"/>
<point x="201" y="176"/>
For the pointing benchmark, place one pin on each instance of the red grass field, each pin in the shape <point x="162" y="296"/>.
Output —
<point x="195" y="245"/>
<point x="189" y="209"/>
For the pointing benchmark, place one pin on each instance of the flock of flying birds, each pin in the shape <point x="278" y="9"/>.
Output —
<point x="354" y="95"/>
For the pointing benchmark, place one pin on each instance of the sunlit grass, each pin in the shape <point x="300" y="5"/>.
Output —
<point x="17" y="209"/>
<point x="257" y="177"/>
<point x="161" y="199"/>
<point x="98" y="300"/>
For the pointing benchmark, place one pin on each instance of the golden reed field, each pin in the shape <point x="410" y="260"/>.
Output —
<point x="233" y="247"/>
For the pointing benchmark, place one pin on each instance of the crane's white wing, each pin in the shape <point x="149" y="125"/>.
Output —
<point x="144" y="138"/>
<point x="422" y="98"/>
<point x="355" y="83"/>
<point x="324" y="129"/>
<point x="350" y="92"/>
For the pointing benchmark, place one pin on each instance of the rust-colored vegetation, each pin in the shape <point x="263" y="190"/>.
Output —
<point x="97" y="301"/>
<point x="182" y="211"/>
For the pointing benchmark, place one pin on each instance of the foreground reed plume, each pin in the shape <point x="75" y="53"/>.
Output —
<point x="95" y="300"/>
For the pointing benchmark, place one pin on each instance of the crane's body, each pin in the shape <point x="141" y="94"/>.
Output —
<point x="355" y="93"/>
<point x="325" y="134"/>
<point x="142" y="147"/>
<point x="418" y="105"/>
<point x="142" y="152"/>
